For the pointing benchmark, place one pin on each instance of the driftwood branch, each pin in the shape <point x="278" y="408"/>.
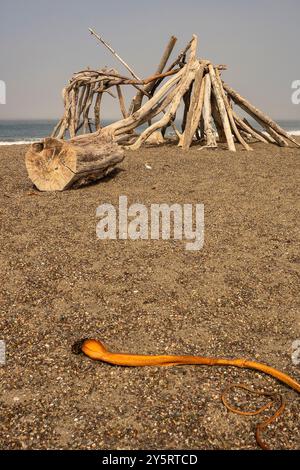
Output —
<point x="114" y="53"/>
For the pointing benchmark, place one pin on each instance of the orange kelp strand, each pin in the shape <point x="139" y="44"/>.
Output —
<point x="94" y="349"/>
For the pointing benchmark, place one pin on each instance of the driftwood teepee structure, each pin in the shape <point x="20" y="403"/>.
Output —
<point x="209" y="118"/>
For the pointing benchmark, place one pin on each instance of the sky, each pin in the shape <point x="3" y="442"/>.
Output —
<point x="43" y="42"/>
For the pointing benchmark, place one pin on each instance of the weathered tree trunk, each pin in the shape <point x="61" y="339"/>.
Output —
<point x="195" y="109"/>
<point x="186" y="100"/>
<point x="208" y="131"/>
<point x="217" y="120"/>
<point x="55" y="165"/>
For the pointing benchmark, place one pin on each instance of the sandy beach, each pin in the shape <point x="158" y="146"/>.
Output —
<point x="237" y="297"/>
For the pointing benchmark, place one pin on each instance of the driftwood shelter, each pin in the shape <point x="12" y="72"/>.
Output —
<point x="210" y="117"/>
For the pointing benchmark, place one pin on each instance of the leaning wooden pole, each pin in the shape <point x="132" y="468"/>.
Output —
<point x="137" y="100"/>
<point x="244" y="126"/>
<point x="194" y="113"/>
<point x="108" y="46"/>
<point x="180" y="61"/>
<point x="222" y="109"/>
<point x="265" y="136"/>
<point x="237" y="134"/>
<point x="208" y="131"/>
<point x="257" y="114"/>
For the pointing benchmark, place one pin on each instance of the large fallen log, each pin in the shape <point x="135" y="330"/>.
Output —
<point x="55" y="165"/>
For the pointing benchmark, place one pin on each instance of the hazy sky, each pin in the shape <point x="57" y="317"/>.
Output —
<point x="44" y="41"/>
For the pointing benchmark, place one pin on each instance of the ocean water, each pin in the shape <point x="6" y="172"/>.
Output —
<point x="293" y="127"/>
<point x="19" y="132"/>
<point x="24" y="132"/>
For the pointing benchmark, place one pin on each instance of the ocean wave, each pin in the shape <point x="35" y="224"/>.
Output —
<point x="32" y="140"/>
<point x="294" y="132"/>
<point x="20" y="142"/>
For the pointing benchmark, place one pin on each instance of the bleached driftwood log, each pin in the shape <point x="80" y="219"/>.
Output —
<point x="55" y="165"/>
